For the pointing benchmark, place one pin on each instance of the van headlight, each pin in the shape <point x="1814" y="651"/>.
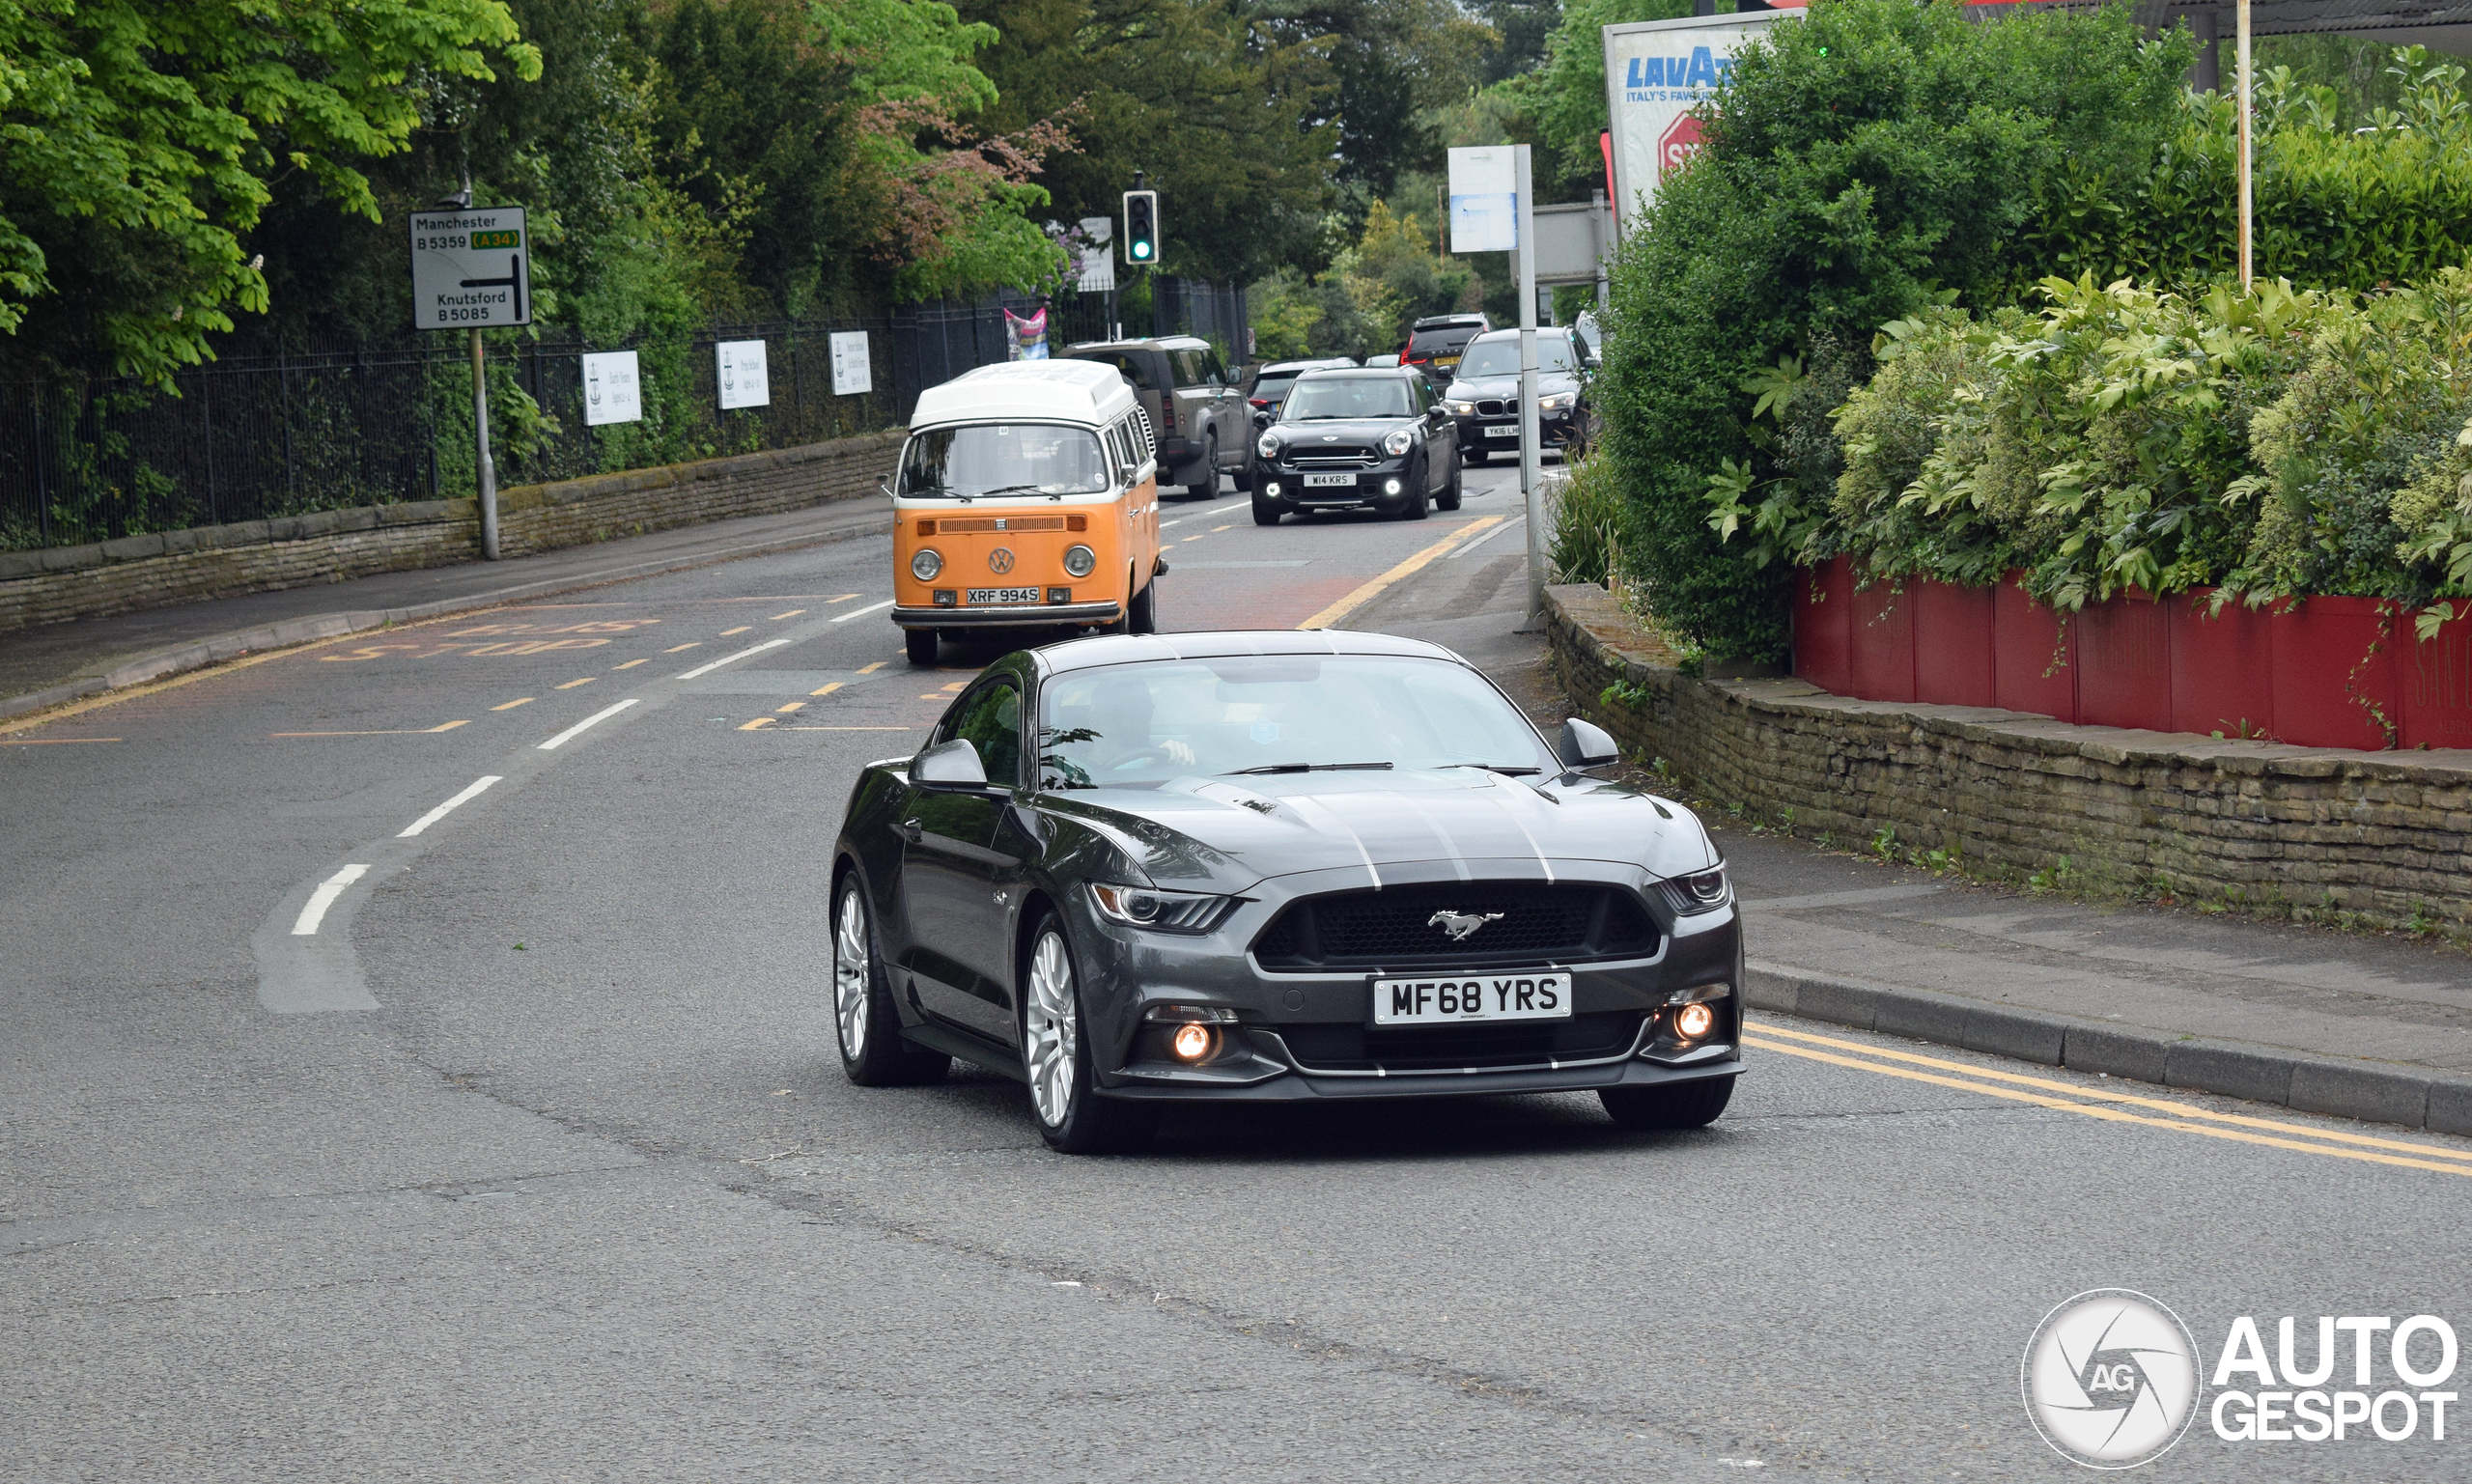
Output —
<point x="1078" y="560"/>
<point x="925" y="562"/>
<point x="1268" y="445"/>
<point x="1400" y="440"/>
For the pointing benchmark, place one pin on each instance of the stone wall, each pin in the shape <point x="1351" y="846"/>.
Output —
<point x="172" y="567"/>
<point x="2378" y="835"/>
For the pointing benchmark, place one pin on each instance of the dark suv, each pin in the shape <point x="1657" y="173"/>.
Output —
<point x="1485" y="396"/>
<point x="1367" y="439"/>
<point x="1434" y="343"/>
<point x="1200" y="419"/>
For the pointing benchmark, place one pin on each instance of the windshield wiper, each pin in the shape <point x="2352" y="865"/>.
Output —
<point x="985" y="494"/>
<point x="1513" y="770"/>
<point x="1305" y="768"/>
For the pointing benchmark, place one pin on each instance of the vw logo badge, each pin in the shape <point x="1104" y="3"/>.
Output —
<point x="1000" y="560"/>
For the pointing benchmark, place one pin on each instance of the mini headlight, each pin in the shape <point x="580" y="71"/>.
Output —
<point x="925" y="562"/>
<point x="1078" y="560"/>
<point x="1160" y="910"/>
<point x="1464" y="408"/>
<point x="1400" y="440"/>
<point x="1702" y="891"/>
<point x="1268" y="445"/>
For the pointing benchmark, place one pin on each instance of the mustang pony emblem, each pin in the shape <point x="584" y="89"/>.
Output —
<point x="1458" y="925"/>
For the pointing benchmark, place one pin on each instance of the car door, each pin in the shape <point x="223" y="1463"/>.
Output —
<point x="961" y="868"/>
<point x="1226" y="410"/>
<point x="1438" y="433"/>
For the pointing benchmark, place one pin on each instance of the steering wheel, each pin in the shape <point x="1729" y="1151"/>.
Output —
<point x="1159" y="754"/>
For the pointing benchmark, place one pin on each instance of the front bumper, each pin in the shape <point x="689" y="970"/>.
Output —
<point x="1028" y="615"/>
<point x="1556" y="427"/>
<point x="1363" y="492"/>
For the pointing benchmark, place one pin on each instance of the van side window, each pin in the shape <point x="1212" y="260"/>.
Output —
<point x="1145" y="440"/>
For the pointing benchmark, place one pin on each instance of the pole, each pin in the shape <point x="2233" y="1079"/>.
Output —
<point x="1532" y="496"/>
<point x="2248" y="202"/>
<point x="483" y="470"/>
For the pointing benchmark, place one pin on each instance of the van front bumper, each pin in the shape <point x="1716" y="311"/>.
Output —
<point x="1017" y="614"/>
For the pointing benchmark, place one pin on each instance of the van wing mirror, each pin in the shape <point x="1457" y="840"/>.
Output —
<point x="1586" y="745"/>
<point x="952" y="765"/>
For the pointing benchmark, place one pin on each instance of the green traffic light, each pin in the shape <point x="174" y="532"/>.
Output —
<point x="1141" y="249"/>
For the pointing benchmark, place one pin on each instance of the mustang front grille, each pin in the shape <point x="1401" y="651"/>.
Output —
<point x="1454" y="925"/>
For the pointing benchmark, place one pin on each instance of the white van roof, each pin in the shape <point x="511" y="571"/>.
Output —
<point x="1075" y="391"/>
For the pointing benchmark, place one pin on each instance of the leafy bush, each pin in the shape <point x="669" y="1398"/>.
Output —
<point x="1588" y="517"/>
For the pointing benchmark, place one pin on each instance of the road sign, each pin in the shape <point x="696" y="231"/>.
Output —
<point x="613" y="392"/>
<point x="1142" y="227"/>
<point x="1484" y="200"/>
<point x="471" y="268"/>
<point x="742" y="378"/>
<point x="852" y="376"/>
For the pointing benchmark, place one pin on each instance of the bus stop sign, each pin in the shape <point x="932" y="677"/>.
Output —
<point x="471" y="268"/>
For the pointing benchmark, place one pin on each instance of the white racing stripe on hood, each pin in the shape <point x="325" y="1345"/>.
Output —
<point x="1298" y="800"/>
<point x="1495" y="798"/>
<point x="1449" y="846"/>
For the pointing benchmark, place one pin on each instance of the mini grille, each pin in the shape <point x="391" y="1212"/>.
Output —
<point x="1396" y="928"/>
<point x="1452" y="1047"/>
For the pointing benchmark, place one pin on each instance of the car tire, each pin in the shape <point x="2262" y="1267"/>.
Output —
<point x="1478" y="456"/>
<point x="920" y="644"/>
<point x="1685" y="1106"/>
<point x="1419" y="504"/>
<point x="1208" y="488"/>
<point x="1454" y="492"/>
<point x="1142" y="614"/>
<point x="1072" y="1115"/>
<point x="864" y="1021"/>
<point x="1266" y="511"/>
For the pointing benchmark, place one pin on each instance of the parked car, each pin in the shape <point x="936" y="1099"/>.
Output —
<point x="1199" y="417"/>
<point x="1270" y="387"/>
<point x="1484" y="397"/>
<point x="1267" y="867"/>
<point x="1435" y="342"/>
<point x="1371" y="438"/>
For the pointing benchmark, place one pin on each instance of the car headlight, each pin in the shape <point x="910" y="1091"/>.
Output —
<point x="1078" y="560"/>
<point x="1400" y="440"/>
<point x="925" y="562"/>
<point x="1268" y="446"/>
<point x="1702" y="891"/>
<point x="1161" y="910"/>
<point x="1464" y="408"/>
<point x="1557" y="402"/>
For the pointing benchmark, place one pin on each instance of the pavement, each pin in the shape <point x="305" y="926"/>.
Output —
<point x="536" y="1161"/>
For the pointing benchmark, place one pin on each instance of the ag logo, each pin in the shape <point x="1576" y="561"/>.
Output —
<point x="1680" y="141"/>
<point x="1000" y="561"/>
<point x="2110" y="1378"/>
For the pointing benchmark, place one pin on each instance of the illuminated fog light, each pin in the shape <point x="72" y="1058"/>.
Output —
<point x="1389" y="486"/>
<point x="1271" y="489"/>
<point x="1078" y="560"/>
<point x="1191" y="1042"/>
<point x="1692" y="1022"/>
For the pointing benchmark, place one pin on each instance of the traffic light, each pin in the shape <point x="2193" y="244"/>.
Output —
<point x="1142" y="227"/>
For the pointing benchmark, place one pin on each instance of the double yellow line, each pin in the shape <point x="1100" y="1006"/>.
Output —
<point x="1365" y="594"/>
<point x="2109" y="1105"/>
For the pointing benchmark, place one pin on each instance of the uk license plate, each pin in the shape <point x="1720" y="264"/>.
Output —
<point x="1329" y="481"/>
<point x="1503" y="431"/>
<point x="991" y="595"/>
<point x="1466" y="998"/>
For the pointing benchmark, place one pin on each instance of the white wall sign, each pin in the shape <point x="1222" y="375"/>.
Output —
<point x="742" y="379"/>
<point x="1656" y="72"/>
<point x="471" y="268"/>
<point x="611" y="390"/>
<point x="1484" y="200"/>
<point x="851" y="373"/>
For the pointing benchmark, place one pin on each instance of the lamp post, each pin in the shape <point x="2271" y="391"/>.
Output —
<point x="2248" y="202"/>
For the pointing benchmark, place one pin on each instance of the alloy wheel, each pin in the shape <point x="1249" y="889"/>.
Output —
<point x="850" y="973"/>
<point x="1050" y="1029"/>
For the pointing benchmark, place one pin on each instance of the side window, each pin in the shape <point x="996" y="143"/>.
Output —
<point x="991" y="720"/>
<point x="1145" y="440"/>
<point x="1188" y="364"/>
<point x="1213" y="369"/>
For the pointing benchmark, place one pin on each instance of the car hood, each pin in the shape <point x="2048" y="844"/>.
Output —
<point x="1352" y="430"/>
<point x="1548" y="383"/>
<point x="1228" y="833"/>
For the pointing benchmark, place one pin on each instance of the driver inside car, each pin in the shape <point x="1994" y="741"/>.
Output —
<point x="1106" y="732"/>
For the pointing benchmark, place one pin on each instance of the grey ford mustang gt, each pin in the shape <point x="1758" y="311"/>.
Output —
<point x="1137" y="871"/>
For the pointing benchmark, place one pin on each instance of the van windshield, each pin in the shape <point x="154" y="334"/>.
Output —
<point x="986" y="459"/>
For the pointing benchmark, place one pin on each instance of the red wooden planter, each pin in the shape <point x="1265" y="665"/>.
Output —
<point x="1822" y="619"/>
<point x="2034" y="661"/>
<point x="2324" y="671"/>
<point x="1883" y="644"/>
<point x="2124" y="663"/>
<point x="1952" y="649"/>
<point x="2436" y="676"/>
<point x="2223" y="668"/>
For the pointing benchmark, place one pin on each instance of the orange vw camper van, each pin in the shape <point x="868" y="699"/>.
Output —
<point x="1027" y="497"/>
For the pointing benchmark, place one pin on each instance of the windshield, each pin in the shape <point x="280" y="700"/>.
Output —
<point x="1270" y="388"/>
<point x="1252" y="714"/>
<point x="1500" y="357"/>
<point x="1003" y="458"/>
<point x="1325" y="396"/>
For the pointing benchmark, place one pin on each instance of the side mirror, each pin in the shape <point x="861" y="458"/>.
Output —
<point x="1586" y="745"/>
<point x="1261" y="417"/>
<point x="952" y="765"/>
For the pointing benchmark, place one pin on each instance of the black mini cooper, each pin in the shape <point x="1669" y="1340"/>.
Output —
<point x="1368" y="439"/>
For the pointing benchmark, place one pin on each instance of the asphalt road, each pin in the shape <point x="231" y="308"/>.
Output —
<point x="533" y="1160"/>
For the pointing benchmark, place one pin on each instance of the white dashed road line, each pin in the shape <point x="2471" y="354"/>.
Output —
<point x="873" y="607"/>
<point x="710" y="666"/>
<point x="449" y="807"/>
<point x="599" y="716"/>
<point x="314" y="910"/>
